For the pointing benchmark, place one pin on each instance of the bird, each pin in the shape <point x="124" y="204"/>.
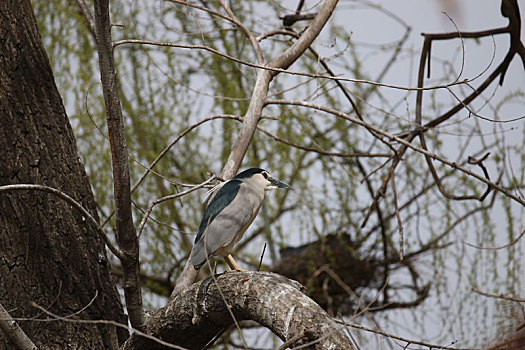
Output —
<point x="229" y="213"/>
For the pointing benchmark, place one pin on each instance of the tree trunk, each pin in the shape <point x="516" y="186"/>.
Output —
<point x="49" y="254"/>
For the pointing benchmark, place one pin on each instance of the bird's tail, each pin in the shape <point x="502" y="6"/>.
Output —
<point x="185" y="280"/>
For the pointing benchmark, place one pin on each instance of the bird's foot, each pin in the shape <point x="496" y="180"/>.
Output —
<point x="233" y="265"/>
<point x="237" y="270"/>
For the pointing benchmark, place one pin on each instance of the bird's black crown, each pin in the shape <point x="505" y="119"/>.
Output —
<point x="248" y="173"/>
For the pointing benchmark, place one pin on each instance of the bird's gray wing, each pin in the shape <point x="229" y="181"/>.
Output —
<point x="221" y="200"/>
<point x="227" y="225"/>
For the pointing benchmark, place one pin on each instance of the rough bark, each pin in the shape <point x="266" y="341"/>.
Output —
<point x="196" y="315"/>
<point x="49" y="253"/>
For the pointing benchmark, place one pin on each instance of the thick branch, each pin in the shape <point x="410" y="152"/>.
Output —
<point x="288" y="57"/>
<point x="264" y="77"/>
<point x="194" y="317"/>
<point x="126" y="237"/>
<point x="250" y="121"/>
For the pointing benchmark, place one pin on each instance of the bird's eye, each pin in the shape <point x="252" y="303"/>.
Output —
<point x="265" y="174"/>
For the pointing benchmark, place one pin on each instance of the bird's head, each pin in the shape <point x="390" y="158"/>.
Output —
<point x="262" y="178"/>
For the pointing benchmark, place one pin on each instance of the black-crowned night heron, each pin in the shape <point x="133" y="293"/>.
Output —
<point x="230" y="212"/>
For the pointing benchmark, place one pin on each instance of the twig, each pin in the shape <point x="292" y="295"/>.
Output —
<point x="150" y="167"/>
<point x="389" y="335"/>
<point x="399" y="222"/>
<point x="447" y="115"/>
<point x="228" y="306"/>
<point x="496" y="248"/>
<point x="291" y="341"/>
<point x="321" y="151"/>
<point x="32" y="187"/>
<point x="276" y="70"/>
<point x="326" y="269"/>
<point x="163" y="199"/>
<point x="343" y="89"/>
<point x="110" y="322"/>
<point x="262" y="256"/>
<point x="462" y="46"/>
<point x="499" y="296"/>
<point x="202" y="8"/>
<point x="404" y="142"/>
<point x="247" y="32"/>
<point x="84" y="307"/>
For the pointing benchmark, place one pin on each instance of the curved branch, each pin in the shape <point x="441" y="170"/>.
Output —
<point x="76" y="205"/>
<point x="322" y="151"/>
<point x="276" y="71"/>
<point x="194" y="317"/>
<point x="247" y="32"/>
<point x="440" y="186"/>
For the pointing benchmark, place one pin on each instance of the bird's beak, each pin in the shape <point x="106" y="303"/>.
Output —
<point x="278" y="184"/>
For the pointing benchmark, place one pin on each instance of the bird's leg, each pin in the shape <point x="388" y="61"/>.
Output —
<point x="233" y="265"/>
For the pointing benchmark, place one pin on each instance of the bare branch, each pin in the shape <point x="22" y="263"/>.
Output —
<point x="126" y="237"/>
<point x="202" y="8"/>
<point x="253" y="41"/>
<point x="497" y="248"/>
<point x="321" y="151"/>
<point x="163" y="199"/>
<point x="84" y="10"/>
<point x="404" y="142"/>
<point x="475" y="35"/>
<point x="13" y="332"/>
<point x="168" y="147"/>
<point x="288" y="57"/>
<point x="499" y="296"/>
<point x="408" y="341"/>
<point x="276" y="70"/>
<point x="516" y="47"/>
<point x="440" y="186"/>
<point x="399" y="222"/>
